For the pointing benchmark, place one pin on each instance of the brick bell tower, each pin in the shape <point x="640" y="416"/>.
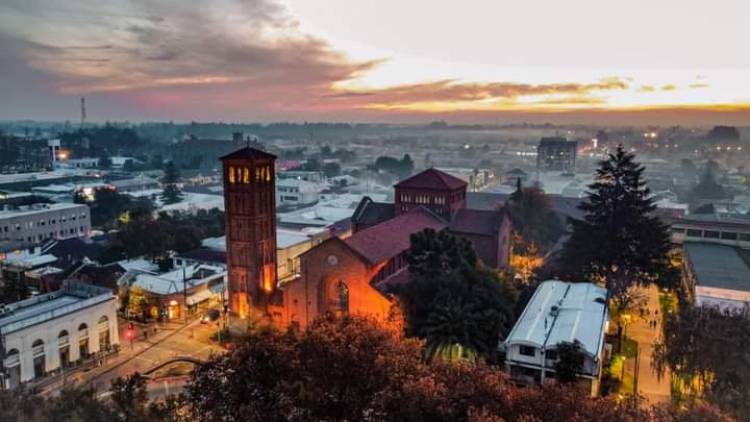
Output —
<point x="250" y="215"/>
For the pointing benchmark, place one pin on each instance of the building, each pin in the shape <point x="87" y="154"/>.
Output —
<point x="308" y="176"/>
<point x="719" y="275"/>
<point x="184" y="288"/>
<point x="45" y="334"/>
<point x="294" y="192"/>
<point x="445" y="196"/>
<point x="138" y="183"/>
<point x="558" y="312"/>
<point x="709" y="228"/>
<point x="250" y="212"/>
<point x="39" y="222"/>
<point x="556" y="154"/>
<point x="354" y="275"/>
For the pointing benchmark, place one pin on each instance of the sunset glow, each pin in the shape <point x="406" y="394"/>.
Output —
<point x="270" y="60"/>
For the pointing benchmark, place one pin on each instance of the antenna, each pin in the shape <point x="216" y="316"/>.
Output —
<point x="83" y="111"/>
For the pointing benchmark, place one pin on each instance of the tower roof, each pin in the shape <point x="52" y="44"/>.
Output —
<point x="248" y="153"/>
<point x="432" y="179"/>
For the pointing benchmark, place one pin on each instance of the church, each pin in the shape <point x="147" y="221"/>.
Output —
<point x="342" y="275"/>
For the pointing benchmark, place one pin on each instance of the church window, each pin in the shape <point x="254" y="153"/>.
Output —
<point x="246" y="175"/>
<point x="231" y="174"/>
<point x="343" y="296"/>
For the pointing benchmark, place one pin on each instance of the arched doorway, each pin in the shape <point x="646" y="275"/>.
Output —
<point x="83" y="341"/>
<point x="40" y="361"/>
<point x="102" y="328"/>
<point x="63" y="345"/>
<point x="12" y="366"/>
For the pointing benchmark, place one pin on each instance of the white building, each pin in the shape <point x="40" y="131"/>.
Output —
<point x="718" y="274"/>
<point x="296" y="192"/>
<point x="558" y="312"/>
<point x="41" y="335"/>
<point x="39" y="222"/>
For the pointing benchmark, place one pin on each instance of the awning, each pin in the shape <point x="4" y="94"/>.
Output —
<point x="199" y="297"/>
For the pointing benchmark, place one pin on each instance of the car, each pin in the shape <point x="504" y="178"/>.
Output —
<point x="210" y="316"/>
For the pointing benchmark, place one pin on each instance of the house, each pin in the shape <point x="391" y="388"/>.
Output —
<point x="47" y="333"/>
<point x="558" y="312"/>
<point x="293" y="192"/>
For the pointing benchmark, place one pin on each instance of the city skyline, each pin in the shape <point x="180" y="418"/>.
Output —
<point x="335" y="60"/>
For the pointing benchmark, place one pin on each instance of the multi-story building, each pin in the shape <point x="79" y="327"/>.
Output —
<point x="250" y="212"/>
<point x="45" y="334"/>
<point x="556" y="154"/>
<point x="39" y="222"/>
<point x="558" y="312"/>
<point x="718" y="275"/>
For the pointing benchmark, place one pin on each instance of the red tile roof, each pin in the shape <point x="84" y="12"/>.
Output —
<point x="388" y="239"/>
<point x="477" y="221"/>
<point x="432" y="179"/>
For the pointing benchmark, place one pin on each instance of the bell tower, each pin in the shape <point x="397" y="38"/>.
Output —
<point x="250" y="216"/>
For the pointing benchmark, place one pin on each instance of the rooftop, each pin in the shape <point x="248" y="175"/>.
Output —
<point x="718" y="266"/>
<point x="391" y="237"/>
<point x="176" y="280"/>
<point x="471" y="221"/>
<point x="36" y="310"/>
<point x="249" y="153"/>
<point x="432" y="179"/>
<point x="39" y="209"/>
<point x="562" y="312"/>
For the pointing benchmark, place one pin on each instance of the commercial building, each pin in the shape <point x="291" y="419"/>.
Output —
<point x="39" y="222"/>
<point x="719" y="275"/>
<point x="729" y="231"/>
<point x="556" y="154"/>
<point x="558" y="312"/>
<point x="170" y="293"/>
<point x="47" y="333"/>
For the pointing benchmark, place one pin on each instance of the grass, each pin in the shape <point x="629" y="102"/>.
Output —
<point x="629" y="348"/>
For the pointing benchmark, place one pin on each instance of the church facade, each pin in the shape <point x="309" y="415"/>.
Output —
<point x="354" y="275"/>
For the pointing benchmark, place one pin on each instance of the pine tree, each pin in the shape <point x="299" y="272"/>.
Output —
<point x="619" y="243"/>
<point x="171" y="194"/>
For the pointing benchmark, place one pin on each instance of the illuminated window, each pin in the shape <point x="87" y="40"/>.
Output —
<point x="246" y="175"/>
<point x="231" y="174"/>
<point x="267" y="282"/>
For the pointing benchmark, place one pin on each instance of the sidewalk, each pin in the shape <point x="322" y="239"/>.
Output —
<point x="655" y="390"/>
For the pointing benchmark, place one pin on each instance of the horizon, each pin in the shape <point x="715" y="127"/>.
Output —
<point x="292" y="61"/>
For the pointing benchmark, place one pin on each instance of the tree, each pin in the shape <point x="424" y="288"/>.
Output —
<point x="619" y="243"/>
<point x="707" y="188"/>
<point x="129" y="397"/>
<point x="569" y="361"/>
<point x="705" y="350"/>
<point x="461" y="308"/>
<point x="332" y="169"/>
<point x="534" y="220"/>
<point x="172" y="193"/>
<point x="105" y="162"/>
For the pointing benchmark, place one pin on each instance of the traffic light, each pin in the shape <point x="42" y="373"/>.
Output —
<point x="131" y="330"/>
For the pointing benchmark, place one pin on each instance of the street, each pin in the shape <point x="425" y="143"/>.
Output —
<point x="655" y="390"/>
<point x="170" y="340"/>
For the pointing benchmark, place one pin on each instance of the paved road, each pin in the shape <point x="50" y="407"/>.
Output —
<point x="169" y="341"/>
<point x="655" y="390"/>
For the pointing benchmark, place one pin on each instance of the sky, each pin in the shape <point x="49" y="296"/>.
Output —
<point x="475" y="61"/>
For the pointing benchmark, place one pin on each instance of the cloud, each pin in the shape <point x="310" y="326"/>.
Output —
<point x="698" y="85"/>
<point x="646" y="88"/>
<point x="668" y="87"/>
<point x="451" y="91"/>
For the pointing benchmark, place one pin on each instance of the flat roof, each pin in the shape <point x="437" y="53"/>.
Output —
<point x="718" y="266"/>
<point x="36" y="310"/>
<point x="562" y="312"/>
<point x="44" y="208"/>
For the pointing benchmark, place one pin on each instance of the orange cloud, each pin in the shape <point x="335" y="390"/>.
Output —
<point x="668" y="87"/>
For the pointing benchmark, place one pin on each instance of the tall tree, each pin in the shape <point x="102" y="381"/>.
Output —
<point x="461" y="308"/>
<point x="619" y="243"/>
<point x="172" y="193"/>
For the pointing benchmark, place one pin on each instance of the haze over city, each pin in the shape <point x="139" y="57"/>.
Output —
<point x="581" y="61"/>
